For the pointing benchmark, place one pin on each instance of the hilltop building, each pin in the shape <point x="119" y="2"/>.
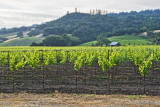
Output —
<point x="92" y="12"/>
<point x="98" y="11"/>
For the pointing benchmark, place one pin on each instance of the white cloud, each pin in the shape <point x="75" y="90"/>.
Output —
<point x="28" y="12"/>
<point x="20" y="18"/>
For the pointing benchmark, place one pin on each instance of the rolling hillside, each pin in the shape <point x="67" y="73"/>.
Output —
<point x="87" y="27"/>
<point x="124" y="40"/>
<point x="130" y="39"/>
<point x="22" y="41"/>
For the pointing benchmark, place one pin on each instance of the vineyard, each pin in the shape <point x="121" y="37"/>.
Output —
<point x="118" y="70"/>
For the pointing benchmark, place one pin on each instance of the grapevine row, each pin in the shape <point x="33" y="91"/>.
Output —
<point x="141" y="56"/>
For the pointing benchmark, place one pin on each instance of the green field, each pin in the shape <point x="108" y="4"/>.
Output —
<point x="22" y="42"/>
<point x="124" y="40"/>
<point x="130" y="39"/>
<point x="88" y="43"/>
<point x="144" y="54"/>
<point x="10" y="34"/>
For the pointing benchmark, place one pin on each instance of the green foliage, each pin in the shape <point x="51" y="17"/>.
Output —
<point x="92" y="43"/>
<point x="8" y="34"/>
<point x="55" y="40"/>
<point x="87" y="27"/>
<point x="50" y="58"/>
<point x="106" y="58"/>
<point x="4" y="31"/>
<point x="21" y="42"/>
<point x="59" y="40"/>
<point x="34" y="32"/>
<point x="102" y="40"/>
<point x="124" y="40"/>
<point x="154" y="38"/>
<point x="53" y="30"/>
<point x="20" y="34"/>
<point x="130" y="40"/>
<point x="33" y="59"/>
<point x="2" y="39"/>
<point x="3" y="58"/>
<point x="17" y="61"/>
<point x="74" y="40"/>
<point x="135" y="97"/>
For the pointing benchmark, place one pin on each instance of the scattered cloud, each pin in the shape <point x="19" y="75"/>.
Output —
<point x="27" y="12"/>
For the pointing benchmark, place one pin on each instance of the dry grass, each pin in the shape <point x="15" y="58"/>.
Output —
<point x="79" y="100"/>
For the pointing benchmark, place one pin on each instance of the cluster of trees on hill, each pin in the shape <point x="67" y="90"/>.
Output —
<point x="58" y="40"/>
<point x="102" y="40"/>
<point x="2" y="39"/>
<point x="20" y="34"/>
<point x="12" y="30"/>
<point x="133" y="13"/>
<point x="154" y="37"/>
<point x="88" y="27"/>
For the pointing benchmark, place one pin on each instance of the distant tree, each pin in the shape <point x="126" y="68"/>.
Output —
<point x="2" y="39"/>
<point x="54" y="40"/>
<point x="13" y="30"/>
<point x="92" y="44"/>
<point x="59" y="40"/>
<point x="144" y="28"/>
<point x="102" y="40"/>
<point x="66" y="40"/>
<point x="74" y="40"/>
<point x="53" y="31"/>
<point x="34" y="44"/>
<point x="150" y="34"/>
<point x="157" y="38"/>
<point x="20" y="34"/>
<point x="34" y="32"/>
<point x="37" y="44"/>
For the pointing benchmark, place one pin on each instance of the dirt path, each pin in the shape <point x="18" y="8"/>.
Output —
<point x="77" y="100"/>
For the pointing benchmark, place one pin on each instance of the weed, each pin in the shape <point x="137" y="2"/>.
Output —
<point x="52" y="94"/>
<point x="135" y="97"/>
<point x="74" y="94"/>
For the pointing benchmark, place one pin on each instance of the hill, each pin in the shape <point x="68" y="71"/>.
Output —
<point x="21" y="41"/>
<point x="87" y="27"/>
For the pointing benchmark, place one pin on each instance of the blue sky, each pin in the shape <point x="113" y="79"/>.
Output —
<point x="15" y="13"/>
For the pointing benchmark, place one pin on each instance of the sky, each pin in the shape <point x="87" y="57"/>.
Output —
<point x="16" y="13"/>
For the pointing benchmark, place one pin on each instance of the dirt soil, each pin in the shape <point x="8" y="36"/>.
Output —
<point x="76" y="100"/>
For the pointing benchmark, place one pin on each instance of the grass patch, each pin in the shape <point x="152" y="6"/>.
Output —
<point x="74" y="94"/>
<point x="22" y="42"/>
<point x="88" y="43"/>
<point x="135" y="97"/>
<point x="130" y="40"/>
